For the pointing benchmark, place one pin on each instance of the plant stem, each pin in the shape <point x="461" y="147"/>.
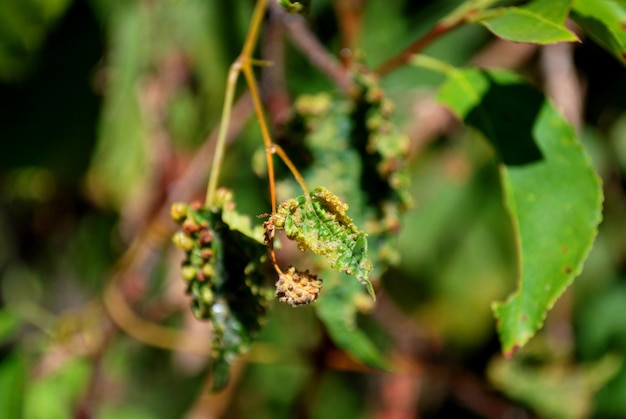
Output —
<point x="220" y="144"/>
<point x="310" y="46"/>
<point x="243" y="61"/>
<point x="265" y="133"/>
<point x="417" y="46"/>
<point x="470" y="11"/>
<point x="292" y="167"/>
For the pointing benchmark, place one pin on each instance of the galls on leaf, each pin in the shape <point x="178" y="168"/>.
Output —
<point x="297" y="288"/>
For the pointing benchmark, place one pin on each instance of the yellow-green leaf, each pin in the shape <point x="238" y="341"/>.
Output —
<point x="540" y="22"/>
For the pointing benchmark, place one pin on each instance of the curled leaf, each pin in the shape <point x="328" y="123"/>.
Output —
<point x="225" y="269"/>
<point x="319" y="222"/>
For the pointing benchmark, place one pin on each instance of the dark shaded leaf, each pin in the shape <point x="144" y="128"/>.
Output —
<point x="225" y="267"/>
<point x="604" y="21"/>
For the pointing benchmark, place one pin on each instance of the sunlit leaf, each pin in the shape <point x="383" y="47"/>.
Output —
<point x="551" y="190"/>
<point x="540" y="21"/>
<point x="319" y="223"/>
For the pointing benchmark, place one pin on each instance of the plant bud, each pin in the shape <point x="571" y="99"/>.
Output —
<point x="183" y="241"/>
<point x="178" y="211"/>
<point x="188" y="272"/>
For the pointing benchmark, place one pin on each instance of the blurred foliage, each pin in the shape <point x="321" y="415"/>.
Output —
<point x="104" y="103"/>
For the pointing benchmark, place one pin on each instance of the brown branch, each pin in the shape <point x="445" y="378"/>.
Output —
<point x="312" y="48"/>
<point x="273" y="80"/>
<point x="417" y="46"/>
<point x="350" y="18"/>
<point x="561" y="81"/>
<point x="430" y="119"/>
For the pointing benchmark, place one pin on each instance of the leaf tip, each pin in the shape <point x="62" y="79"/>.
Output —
<point x="508" y="354"/>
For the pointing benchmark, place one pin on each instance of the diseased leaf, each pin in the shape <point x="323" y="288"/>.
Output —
<point x="551" y="190"/>
<point x="604" y="21"/>
<point x="354" y="150"/>
<point x="540" y="22"/>
<point x="319" y="223"/>
<point x="226" y="271"/>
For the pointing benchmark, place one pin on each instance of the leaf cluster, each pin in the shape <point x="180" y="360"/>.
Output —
<point x="226" y="271"/>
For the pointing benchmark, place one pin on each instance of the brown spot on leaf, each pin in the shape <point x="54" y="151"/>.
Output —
<point x="523" y="317"/>
<point x="564" y="249"/>
<point x="568" y="269"/>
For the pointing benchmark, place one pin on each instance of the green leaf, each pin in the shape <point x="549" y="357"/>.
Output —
<point x="55" y="394"/>
<point x="604" y="21"/>
<point x="13" y="379"/>
<point x="339" y="319"/>
<point x="319" y="223"/>
<point x="539" y="22"/>
<point x="551" y="190"/>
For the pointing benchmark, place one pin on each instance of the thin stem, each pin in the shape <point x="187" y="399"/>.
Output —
<point x="417" y="46"/>
<point x="242" y="61"/>
<point x="467" y="12"/>
<point x="310" y="46"/>
<point x="145" y="331"/>
<point x="350" y="19"/>
<point x="254" y="28"/>
<point x="273" y="257"/>
<point x="433" y="64"/>
<point x="265" y="133"/>
<point x="292" y="167"/>
<point x="220" y="145"/>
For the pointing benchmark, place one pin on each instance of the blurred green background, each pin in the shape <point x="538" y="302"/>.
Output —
<point x="104" y="103"/>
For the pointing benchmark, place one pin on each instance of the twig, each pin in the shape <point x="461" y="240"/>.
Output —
<point x="273" y="80"/>
<point x="561" y="81"/>
<point x="292" y="168"/>
<point x="310" y="46"/>
<point x="417" y="46"/>
<point x="349" y="15"/>
<point x="242" y="63"/>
